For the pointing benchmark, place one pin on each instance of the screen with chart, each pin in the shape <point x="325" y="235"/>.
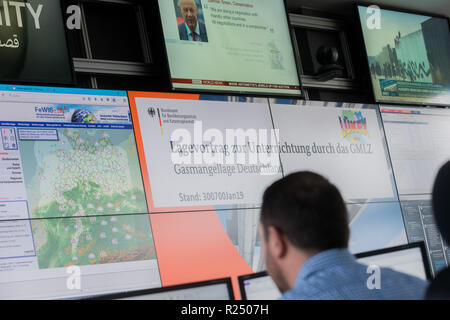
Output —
<point x="230" y="46"/>
<point x="71" y="194"/>
<point x="407" y="55"/>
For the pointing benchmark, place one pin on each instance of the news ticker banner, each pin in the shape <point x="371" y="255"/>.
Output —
<point x="241" y="46"/>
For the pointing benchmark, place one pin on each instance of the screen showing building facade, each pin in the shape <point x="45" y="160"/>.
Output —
<point x="407" y="56"/>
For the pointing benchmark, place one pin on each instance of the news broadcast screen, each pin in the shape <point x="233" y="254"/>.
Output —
<point x="407" y="55"/>
<point x="232" y="46"/>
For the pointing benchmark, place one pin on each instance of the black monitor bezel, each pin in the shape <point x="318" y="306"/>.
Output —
<point x="364" y="48"/>
<point x="235" y="92"/>
<point x="192" y="285"/>
<point x="408" y="246"/>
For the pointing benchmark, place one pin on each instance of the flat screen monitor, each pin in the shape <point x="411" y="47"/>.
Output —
<point x="220" y="289"/>
<point x="229" y="46"/>
<point x="33" y="46"/>
<point x="419" y="144"/>
<point x="258" y="286"/>
<point x="344" y="142"/>
<point x="73" y="214"/>
<point x="214" y="150"/>
<point x="407" y="55"/>
<point x="410" y="259"/>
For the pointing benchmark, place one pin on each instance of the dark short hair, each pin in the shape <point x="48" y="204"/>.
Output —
<point x="309" y="210"/>
<point x="441" y="201"/>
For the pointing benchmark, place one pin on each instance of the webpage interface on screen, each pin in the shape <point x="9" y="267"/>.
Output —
<point x="407" y="261"/>
<point x="261" y="288"/>
<point x="240" y="46"/>
<point x="207" y="292"/>
<point x="73" y="213"/>
<point x="419" y="144"/>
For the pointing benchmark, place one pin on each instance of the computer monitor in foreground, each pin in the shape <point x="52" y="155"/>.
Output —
<point x="258" y="286"/>
<point x="410" y="259"/>
<point x="220" y="289"/>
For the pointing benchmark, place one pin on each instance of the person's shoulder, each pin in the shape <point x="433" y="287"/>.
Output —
<point x="303" y="293"/>
<point x="404" y="285"/>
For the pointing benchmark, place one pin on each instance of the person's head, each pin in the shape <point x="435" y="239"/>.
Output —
<point x="188" y="9"/>
<point x="441" y="201"/>
<point x="302" y="214"/>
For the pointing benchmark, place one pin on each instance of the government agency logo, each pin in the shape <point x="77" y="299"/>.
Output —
<point x="151" y="112"/>
<point x="354" y="126"/>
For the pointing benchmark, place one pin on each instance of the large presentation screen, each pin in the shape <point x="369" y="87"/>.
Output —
<point x="71" y="195"/>
<point x="407" y="55"/>
<point x="345" y="143"/>
<point x="234" y="46"/>
<point x="202" y="151"/>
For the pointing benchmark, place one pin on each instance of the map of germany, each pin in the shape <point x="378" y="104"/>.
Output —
<point x="86" y="192"/>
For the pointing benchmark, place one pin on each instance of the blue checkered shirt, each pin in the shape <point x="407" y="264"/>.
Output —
<point x="336" y="275"/>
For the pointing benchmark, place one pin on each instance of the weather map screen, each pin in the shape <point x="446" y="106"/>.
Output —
<point x="71" y="195"/>
<point x="237" y="46"/>
<point x="407" y="55"/>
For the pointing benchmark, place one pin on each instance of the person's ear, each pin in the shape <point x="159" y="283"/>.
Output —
<point x="277" y="242"/>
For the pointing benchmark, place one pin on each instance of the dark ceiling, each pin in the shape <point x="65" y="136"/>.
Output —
<point x="436" y="7"/>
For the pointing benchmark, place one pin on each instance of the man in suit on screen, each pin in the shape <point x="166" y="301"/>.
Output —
<point x="191" y="29"/>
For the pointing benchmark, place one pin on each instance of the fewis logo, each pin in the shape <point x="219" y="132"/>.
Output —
<point x="50" y="109"/>
<point x="354" y="126"/>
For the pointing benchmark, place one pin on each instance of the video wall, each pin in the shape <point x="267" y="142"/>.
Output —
<point x="159" y="189"/>
<point x="145" y="190"/>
